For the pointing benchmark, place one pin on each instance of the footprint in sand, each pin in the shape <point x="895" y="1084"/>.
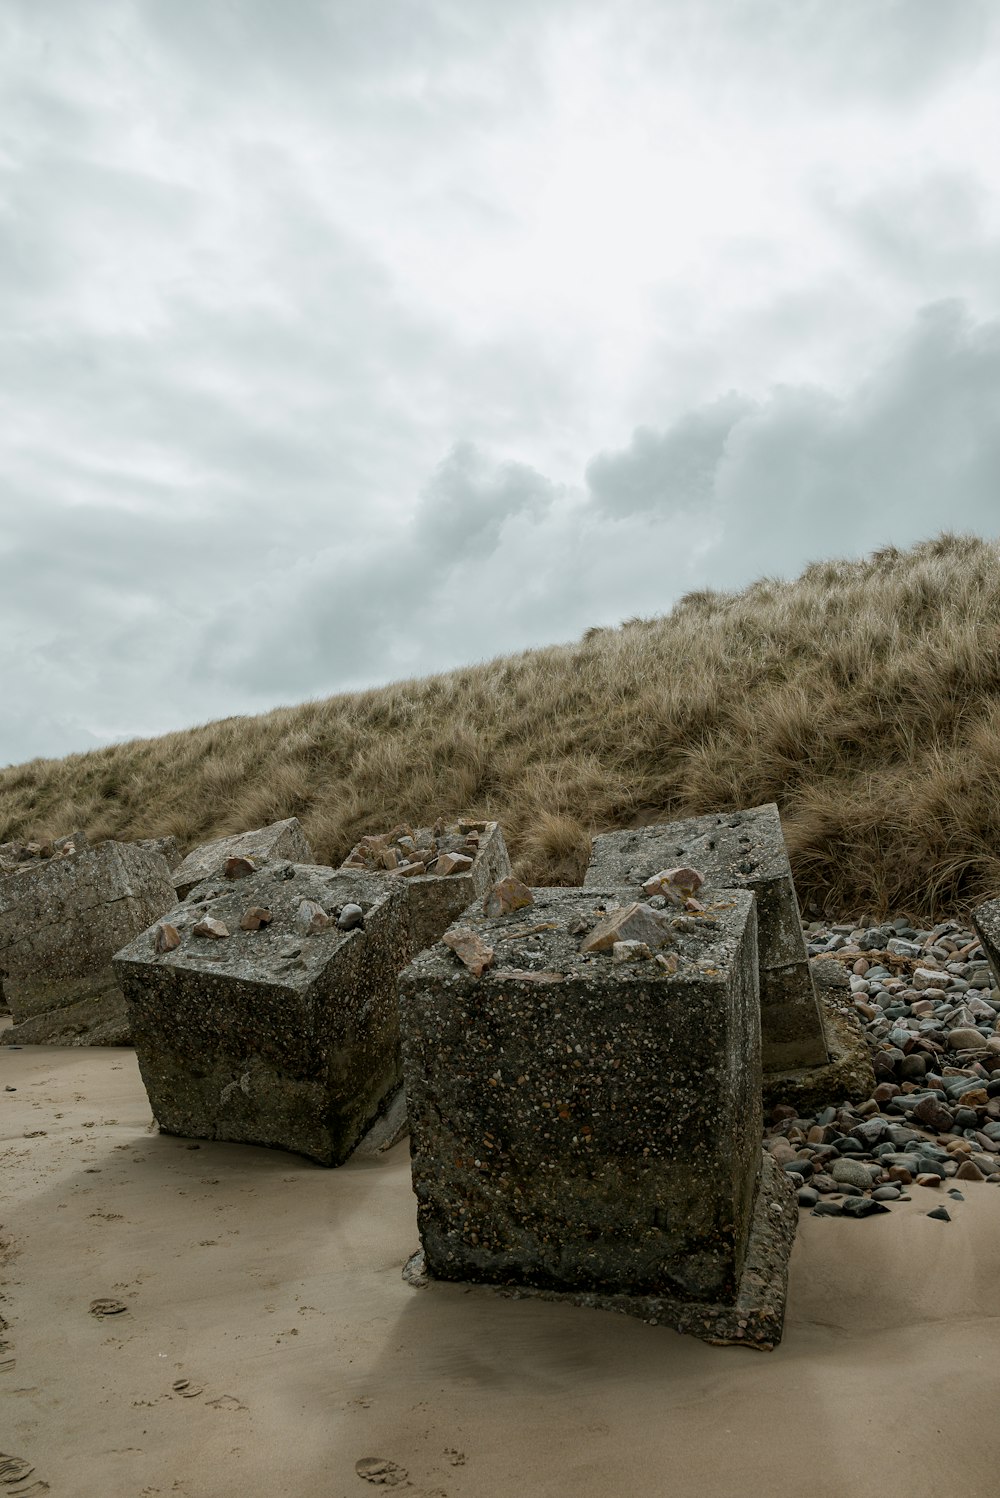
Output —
<point x="186" y="1389"/>
<point x="226" y="1402"/>
<point x="107" y="1306"/>
<point x="15" y="1477"/>
<point x="378" y="1470"/>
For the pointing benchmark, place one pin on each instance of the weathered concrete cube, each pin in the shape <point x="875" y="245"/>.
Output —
<point x="274" y="1036"/>
<point x="281" y="840"/>
<point x="737" y="850"/>
<point x="61" y="921"/>
<point x="434" y="900"/>
<point x="986" y="920"/>
<point x="582" y="1123"/>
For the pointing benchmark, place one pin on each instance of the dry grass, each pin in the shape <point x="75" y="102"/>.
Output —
<point x="864" y="698"/>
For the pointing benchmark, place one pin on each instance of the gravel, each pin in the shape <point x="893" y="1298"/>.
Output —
<point x="929" y="1006"/>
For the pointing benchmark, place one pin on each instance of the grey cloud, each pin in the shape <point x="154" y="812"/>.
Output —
<point x="367" y="609"/>
<point x="468" y="501"/>
<point x="889" y="51"/>
<point x="910" y="450"/>
<point x="663" y="473"/>
<point x="932" y="235"/>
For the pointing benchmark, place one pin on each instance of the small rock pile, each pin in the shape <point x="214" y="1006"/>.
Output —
<point x="931" y="1015"/>
<point x="406" y="851"/>
<point x="16" y="856"/>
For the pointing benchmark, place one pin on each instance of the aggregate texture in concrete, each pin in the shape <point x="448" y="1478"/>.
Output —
<point x="582" y="1123"/>
<point x="61" y="921"/>
<point x="284" y="1035"/>
<point x="280" y="840"/>
<point x="755" y="1318"/>
<point x="168" y="846"/>
<point x="848" y="1076"/>
<point x="986" y="921"/>
<point x="737" y="850"/>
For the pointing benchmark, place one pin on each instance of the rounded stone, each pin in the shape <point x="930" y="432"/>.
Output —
<point x="852" y="1173"/>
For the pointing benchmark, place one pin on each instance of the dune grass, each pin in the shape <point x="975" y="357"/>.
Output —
<point x="863" y="697"/>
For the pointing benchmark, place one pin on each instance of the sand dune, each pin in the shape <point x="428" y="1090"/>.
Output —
<point x="273" y="1287"/>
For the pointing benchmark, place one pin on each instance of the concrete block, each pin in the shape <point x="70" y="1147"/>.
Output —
<point x="737" y="850"/>
<point x="986" y="921"/>
<point x="435" y="900"/>
<point x="278" y="1035"/>
<point x="281" y="840"/>
<point x="581" y="1124"/>
<point x="848" y="1075"/>
<point x="61" y="921"/>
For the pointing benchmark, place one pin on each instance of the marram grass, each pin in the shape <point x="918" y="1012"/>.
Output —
<point x="863" y="697"/>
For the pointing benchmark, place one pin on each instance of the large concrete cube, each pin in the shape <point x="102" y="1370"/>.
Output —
<point x="737" y="850"/>
<point x="62" y="919"/>
<point x="277" y="1036"/>
<point x="281" y="840"/>
<point x="434" y="900"/>
<point x="581" y="1123"/>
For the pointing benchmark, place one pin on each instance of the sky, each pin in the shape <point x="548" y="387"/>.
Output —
<point x="344" y="341"/>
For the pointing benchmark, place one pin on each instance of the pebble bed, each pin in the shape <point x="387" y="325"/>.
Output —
<point x="930" y="1009"/>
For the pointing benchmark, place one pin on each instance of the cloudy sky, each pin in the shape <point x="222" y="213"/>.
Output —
<point x="349" y="340"/>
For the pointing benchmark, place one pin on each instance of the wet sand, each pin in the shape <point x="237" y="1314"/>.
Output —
<point x="273" y="1288"/>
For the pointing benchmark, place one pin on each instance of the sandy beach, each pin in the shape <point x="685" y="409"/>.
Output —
<point x="273" y="1288"/>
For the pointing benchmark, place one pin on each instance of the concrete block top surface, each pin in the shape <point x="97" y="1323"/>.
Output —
<point x="732" y="850"/>
<point x="168" y="846"/>
<point x="280" y="840"/>
<point x="290" y="932"/>
<point x="544" y="945"/>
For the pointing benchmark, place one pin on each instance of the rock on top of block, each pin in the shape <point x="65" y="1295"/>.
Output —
<point x="579" y="1120"/>
<point x="444" y="868"/>
<point x="18" y="857"/>
<point x="262" y="846"/>
<point x="732" y="850"/>
<point x="263" y="1009"/>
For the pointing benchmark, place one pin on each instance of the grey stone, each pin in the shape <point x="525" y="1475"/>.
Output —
<point x="852" y="1173"/>
<point x="264" y="845"/>
<point x="61" y="922"/>
<point x="737" y="850"/>
<point x="593" y="1127"/>
<point x="863" y="1206"/>
<point x="966" y="1039"/>
<point x="272" y="1037"/>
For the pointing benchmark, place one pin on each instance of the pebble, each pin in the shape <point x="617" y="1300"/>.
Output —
<point x="852" y="1173"/>
<point x="932" y="1021"/>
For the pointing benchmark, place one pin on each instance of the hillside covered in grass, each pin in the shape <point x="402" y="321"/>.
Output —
<point x="863" y="697"/>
